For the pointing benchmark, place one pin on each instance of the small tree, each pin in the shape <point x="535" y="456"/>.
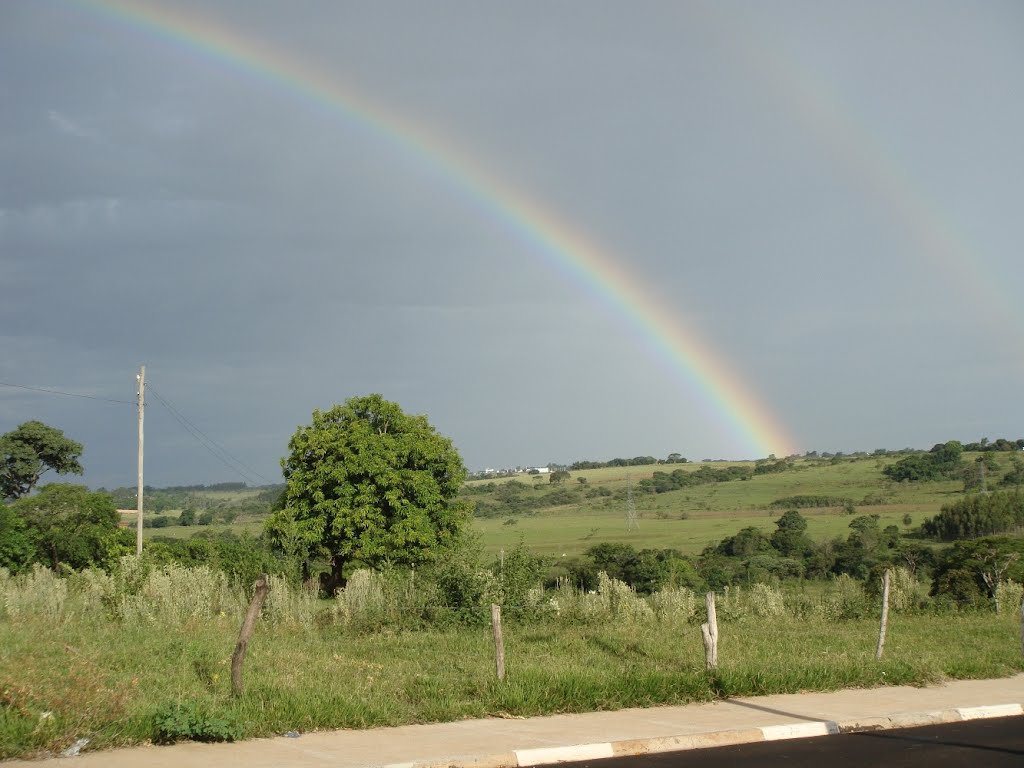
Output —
<point x="366" y="482"/>
<point x="72" y="526"/>
<point x="29" y="451"/>
<point x="790" y="536"/>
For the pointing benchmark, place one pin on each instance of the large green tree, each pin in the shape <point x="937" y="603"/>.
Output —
<point x="29" y="451"/>
<point x="368" y="483"/>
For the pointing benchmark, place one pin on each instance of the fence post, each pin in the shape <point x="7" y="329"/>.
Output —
<point x="238" y="657"/>
<point x="709" y="631"/>
<point x="1022" y="626"/>
<point x="885" y="615"/>
<point x="499" y="643"/>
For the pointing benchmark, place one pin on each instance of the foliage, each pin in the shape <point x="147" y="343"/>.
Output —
<point x="790" y="537"/>
<point x="72" y="647"/>
<point x="71" y="526"/>
<point x="519" y="572"/>
<point x="558" y="476"/>
<point x="942" y="461"/>
<point x="1001" y="444"/>
<point x="663" y="482"/>
<point x="638" y="461"/>
<point x="30" y="450"/>
<point x="810" y="501"/>
<point x="772" y="466"/>
<point x="1015" y="477"/>
<point x="189" y="722"/>
<point x="977" y="515"/>
<point x="16" y="548"/>
<point x="366" y="482"/>
<point x="971" y="571"/>
<point x="645" y="571"/>
<point x="516" y="497"/>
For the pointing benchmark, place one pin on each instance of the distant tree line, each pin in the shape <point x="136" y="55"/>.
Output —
<point x="1001" y="444"/>
<point x="663" y="482"/>
<point x="810" y="501"/>
<point x="637" y="461"/>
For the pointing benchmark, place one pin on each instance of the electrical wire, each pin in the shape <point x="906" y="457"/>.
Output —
<point x="65" y="394"/>
<point x="222" y="454"/>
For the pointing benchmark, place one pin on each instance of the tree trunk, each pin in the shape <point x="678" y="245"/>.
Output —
<point x="332" y="581"/>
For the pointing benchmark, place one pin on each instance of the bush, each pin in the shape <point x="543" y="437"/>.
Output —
<point x="1008" y="596"/>
<point x="188" y="722"/>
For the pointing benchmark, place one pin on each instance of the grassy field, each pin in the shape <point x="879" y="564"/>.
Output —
<point x="571" y="533"/>
<point x="689" y="519"/>
<point x="70" y="669"/>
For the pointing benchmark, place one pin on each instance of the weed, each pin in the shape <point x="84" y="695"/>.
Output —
<point x="189" y="722"/>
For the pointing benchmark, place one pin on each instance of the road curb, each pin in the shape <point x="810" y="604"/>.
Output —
<point x="527" y="758"/>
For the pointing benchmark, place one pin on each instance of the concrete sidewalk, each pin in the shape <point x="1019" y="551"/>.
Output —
<point x="495" y="743"/>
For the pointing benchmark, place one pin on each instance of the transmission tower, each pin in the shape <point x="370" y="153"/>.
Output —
<point x="631" y="523"/>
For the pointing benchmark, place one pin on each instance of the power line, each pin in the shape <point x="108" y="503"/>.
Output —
<point x="65" y="394"/>
<point x="219" y="452"/>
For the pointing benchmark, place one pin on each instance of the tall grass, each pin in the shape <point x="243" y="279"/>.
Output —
<point x="108" y="656"/>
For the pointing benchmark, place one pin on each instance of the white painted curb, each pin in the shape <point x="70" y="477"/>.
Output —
<point x="544" y="755"/>
<point x="999" y="710"/>
<point x="799" y="730"/>
<point x="527" y="758"/>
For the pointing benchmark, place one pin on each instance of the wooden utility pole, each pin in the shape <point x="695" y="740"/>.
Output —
<point x="142" y="413"/>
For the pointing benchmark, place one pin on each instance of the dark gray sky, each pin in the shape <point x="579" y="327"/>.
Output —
<point x="827" y="195"/>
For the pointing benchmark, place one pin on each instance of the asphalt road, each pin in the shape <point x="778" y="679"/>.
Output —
<point x="991" y="743"/>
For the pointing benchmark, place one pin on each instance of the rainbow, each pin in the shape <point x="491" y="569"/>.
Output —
<point x="864" y="158"/>
<point x="570" y="252"/>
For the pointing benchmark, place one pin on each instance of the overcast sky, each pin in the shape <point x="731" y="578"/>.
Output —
<point x="827" y="195"/>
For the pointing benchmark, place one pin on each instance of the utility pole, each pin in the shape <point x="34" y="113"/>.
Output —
<point x="142" y="413"/>
<point x="631" y="523"/>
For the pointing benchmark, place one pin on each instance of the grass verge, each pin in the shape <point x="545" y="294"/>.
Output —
<point x="115" y="682"/>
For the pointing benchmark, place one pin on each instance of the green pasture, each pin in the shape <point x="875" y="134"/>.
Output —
<point x="571" y="533"/>
<point x="688" y="519"/>
<point x="692" y="518"/>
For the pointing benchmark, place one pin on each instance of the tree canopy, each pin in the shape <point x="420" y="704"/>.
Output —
<point x="29" y="451"/>
<point x="367" y="482"/>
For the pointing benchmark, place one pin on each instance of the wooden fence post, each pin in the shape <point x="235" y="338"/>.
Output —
<point x="885" y="614"/>
<point x="238" y="657"/>
<point x="709" y="631"/>
<point x="499" y="643"/>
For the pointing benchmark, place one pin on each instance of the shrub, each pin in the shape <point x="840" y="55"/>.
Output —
<point x="766" y="601"/>
<point x="188" y="722"/>
<point x="674" y="604"/>
<point x="1008" y="596"/>
<point x="38" y="593"/>
<point x="620" y="599"/>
